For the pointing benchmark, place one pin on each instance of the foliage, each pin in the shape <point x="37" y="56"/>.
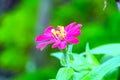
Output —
<point x="16" y="35"/>
<point x="85" y="66"/>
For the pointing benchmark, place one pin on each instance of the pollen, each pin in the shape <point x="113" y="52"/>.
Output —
<point x="59" y="33"/>
<point x="53" y="32"/>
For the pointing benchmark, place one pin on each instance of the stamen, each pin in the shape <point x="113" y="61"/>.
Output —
<point x="60" y="33"/>
<point x="62" y="29"/>
<point x="53" y="32"/>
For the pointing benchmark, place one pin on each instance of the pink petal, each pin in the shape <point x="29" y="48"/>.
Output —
<point x="48" y="30"/>
<point x="55" y="44"/>
<point x="68" y="27"/>
<point x="78" y="26"/>
<point x="73" y="30"/>
<point x="74" y="34"/>
<point x="72" y="40"/>
<point x="62" y="45"/>
<point x="42" y="38"/>
<point x="43" y="45"/>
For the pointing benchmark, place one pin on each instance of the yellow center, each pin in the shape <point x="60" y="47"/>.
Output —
<point x="60" y="33"/>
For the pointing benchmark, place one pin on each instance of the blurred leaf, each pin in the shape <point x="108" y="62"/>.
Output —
<point x="79" y="75"/>
<point x="41" y="74"/>
<point x="112" y="75"/>
<point x="113" y="23"/>
<point x="108" y="49"/>
<point x="12" y="58"/>
<point x="91" y="34"/>
<point x="99" y="72"/>
<point x="65" y="74"/>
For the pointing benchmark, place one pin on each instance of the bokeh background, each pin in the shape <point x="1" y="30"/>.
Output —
<point x="22" y="20"/>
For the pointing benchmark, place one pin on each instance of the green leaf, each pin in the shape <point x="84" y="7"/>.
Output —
<point x="65" y="74"/>
<point x="99" y="72"/>
<point x="79" y="75"/>
<point x="58" y="55"/>
<point x="109" y="49"/>
<point x="79" y="63"/>
<point x="91" y="59"/>
<point x="112" y="75"/>
<point x="87" y="47"/>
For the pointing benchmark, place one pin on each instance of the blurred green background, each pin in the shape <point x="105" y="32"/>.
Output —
<point x="22" y="20"/>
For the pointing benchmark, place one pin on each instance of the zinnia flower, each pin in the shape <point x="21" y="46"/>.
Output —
<point x="59" y="36"/>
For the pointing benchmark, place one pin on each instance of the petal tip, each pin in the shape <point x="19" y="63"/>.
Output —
<point x="80" y="25"/>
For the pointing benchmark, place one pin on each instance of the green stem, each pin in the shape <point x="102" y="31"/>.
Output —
<point x="67" y="57"/>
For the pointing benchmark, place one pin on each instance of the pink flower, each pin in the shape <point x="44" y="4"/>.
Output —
<point x="59" y="36"/>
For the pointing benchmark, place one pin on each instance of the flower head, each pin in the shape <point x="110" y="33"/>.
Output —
<point x="59" y="36"/>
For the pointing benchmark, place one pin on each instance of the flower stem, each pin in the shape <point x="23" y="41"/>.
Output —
<point x="67" y="57"/>
<point x="64" y="61"/>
